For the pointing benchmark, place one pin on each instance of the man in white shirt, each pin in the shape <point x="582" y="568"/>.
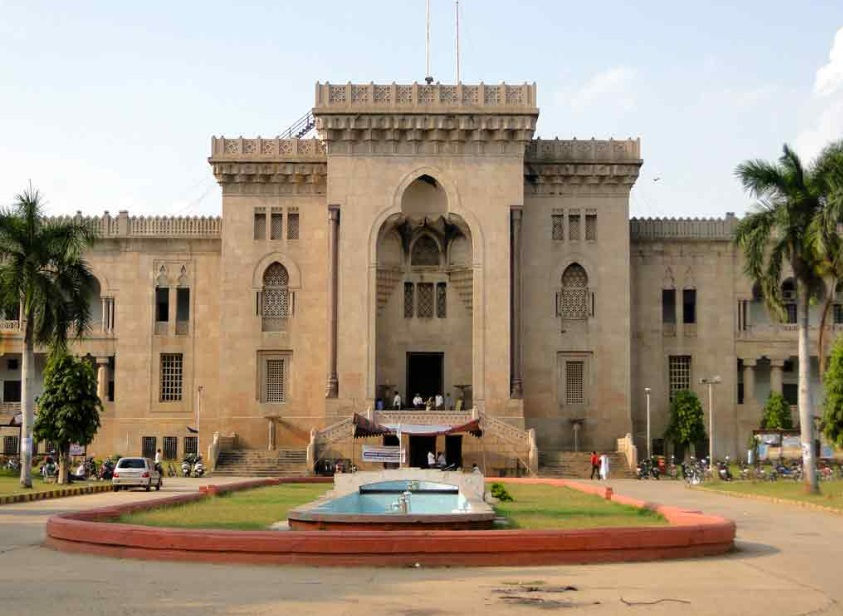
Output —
<point x="396" y="401"/>
<point x="158" y="466"/>
<point x="418" y="401"/>
<point x="431" y="460"/>
<point x="440" y="402"/>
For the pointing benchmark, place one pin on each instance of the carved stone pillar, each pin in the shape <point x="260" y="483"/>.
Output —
<point x="332" y="387"/>
<point x="515" y="299"/>
<point x="749" y="381"/>
<point x="776" y="366"/>
<point x="102" y="378"/>
<point x="104" y="319"/>
<point x="271" y="433"/>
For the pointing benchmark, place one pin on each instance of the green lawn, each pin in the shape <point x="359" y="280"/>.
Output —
<point x="534" y="506"/>
<point x="540" y="506"/>
<point x="831" y="491"/>
<point x="10" y="484"/>
<point x="247" y="510"/>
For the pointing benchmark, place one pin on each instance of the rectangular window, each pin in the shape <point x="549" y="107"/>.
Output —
<point x="162" y="304"/>
<point x="838" y="314"/>
<point x="11" y="391"/>
<point x="12" y="364"/>
<point x="574" y="225"/>
<point x="171" y="446"/>
<point x="148" y="446"/>
<point x="668" y="305"/>
<point x="689" y="305"/>
<point x="276" y="225"/>
<point x="191" y="445"/>
<point x="591" y="227"/>
<point x="441" y="300"/>
<point x="260" y="224"/>
<point x="558" y="227"/>
<point x="574" y="382"/>
<point x="112" y="367"/>
<point x="171" y="377"/>
<point x="424" y="309"/>
<point x="275" y="381"/>
<point x="679" y="373"/>
<point x="790" y="313"/>
<point x="11" y="446"/>
<point x="293" y="225"/>
<point x="182" y="307"/>
<point x="409" y="296"/>
<point x="790" y="391"/>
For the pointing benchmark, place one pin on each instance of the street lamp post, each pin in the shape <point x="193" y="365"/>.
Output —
<point x="711" y="382"/>
<point x="649" y="441"/>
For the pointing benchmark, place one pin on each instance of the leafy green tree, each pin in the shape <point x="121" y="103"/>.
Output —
<point x="790" y="203"/>
<point x="687" y="425"/>
<point x="69" y="409"/>
<point x="776" y="413"/>
<point x="833" y="405"/>
<point x="43" y="270"/>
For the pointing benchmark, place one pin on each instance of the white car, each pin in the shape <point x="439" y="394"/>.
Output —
<point x="135" y="473"/>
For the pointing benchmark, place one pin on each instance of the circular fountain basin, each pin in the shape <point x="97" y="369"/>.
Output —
<point x="403" y="504"/>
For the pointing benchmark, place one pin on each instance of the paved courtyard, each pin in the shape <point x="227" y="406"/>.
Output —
<point x="787" y="562"/>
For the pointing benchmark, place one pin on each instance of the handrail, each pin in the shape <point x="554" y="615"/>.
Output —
<point x="300" y="127"/>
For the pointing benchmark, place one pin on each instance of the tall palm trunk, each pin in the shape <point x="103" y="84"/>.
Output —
<point x="27" y="406"/>
<point x="806" y="415"/>
<point x="821" y="334"/>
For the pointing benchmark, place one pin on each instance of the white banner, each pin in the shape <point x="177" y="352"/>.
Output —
<point x="389" y="454"/>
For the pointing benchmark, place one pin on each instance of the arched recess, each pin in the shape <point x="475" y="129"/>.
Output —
<point x="290" y="265"/>
<point x="575" y="299"/>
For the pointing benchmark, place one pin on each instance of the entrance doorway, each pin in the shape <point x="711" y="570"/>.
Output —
<point x="453" y="450"/>
<point x="424" y="374"/>
<point x="419" y="448"/>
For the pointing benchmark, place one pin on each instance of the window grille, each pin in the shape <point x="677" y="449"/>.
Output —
<point x="293" y="225"/>
<point x="171" y="445"/>
<point x="11" y="446"/>
<point x="425" y="251"/>
<point x="191" y="445"/>
<point x="260" y="224"/>
<point x="574" y="226"/>
<point x="679" y="373"/>
<point x="275" y="297"/>
<point x="573" y="300"/>
<point x="171" y="377"/>
<point x="148" y="446"/>
<point x="441" y="300"/>
<point x="838" y="314"/>
<point x="275" y="381"/>
<point x="558" y="227"/>
<point x="591" y="227"/>
<point x="574" y="371"/>
<point x="409" y="296"/>
<point x="276" y="226"/>
<point x="425" y="305"/>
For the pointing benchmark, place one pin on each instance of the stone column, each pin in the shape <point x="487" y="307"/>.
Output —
<point x="776" y="366"/>
<point x="102" y="378"/>
<point x="749" y="381"/>
<point x="271" y="426"/>
<point x="104" y="319"/>
<point x="332" y="387"/>
<point x="515" y="290"/>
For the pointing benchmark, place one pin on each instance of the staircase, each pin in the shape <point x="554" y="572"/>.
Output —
<point x="577" y="465"/>
<point x="261" y="463"/>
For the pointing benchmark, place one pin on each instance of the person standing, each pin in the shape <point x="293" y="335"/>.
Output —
<point x="595" y="465"/>
<point x="396" y="401"/>
<point x="439" y="402"/>
<point x="449" y="402"/>
<point x="418" y="401"/>
<point x="431" y="460"/>
<point x="604" y="467"/>
<point x="158" y="466"/>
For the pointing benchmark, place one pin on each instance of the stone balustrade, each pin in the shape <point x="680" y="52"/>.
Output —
<point x="123" y="225"/>
<point x="259" y="149"/>
<point x="683" y="228"/>
<point x="583" y="151"/>
<point x="9" y="325"/>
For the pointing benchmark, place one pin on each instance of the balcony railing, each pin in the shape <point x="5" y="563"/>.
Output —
<point x="9" y="325"/>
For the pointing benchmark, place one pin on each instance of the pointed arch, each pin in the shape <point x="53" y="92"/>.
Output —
<point x="574" y="298"/>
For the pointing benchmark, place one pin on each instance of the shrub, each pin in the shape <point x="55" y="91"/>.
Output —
<point x="500" y="492"/>
<point x="776" y="413"/>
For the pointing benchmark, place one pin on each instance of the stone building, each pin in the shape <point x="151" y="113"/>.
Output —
<point x="423" y="242"/>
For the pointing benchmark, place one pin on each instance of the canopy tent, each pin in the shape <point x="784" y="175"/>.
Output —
<point x="364" y="427"/>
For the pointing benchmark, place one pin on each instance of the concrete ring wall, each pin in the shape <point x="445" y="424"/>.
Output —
<point x="690" y="534"/>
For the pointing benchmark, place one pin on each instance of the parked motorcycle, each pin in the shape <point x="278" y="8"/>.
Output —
<point x="648" y="469"/>
<point x="106" y="471"/>
<point x="198" y="467"/>
<point x="723" y="470"/>
<point x="693" y="471"/>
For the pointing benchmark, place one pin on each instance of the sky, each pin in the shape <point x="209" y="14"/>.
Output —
<point x="112" y="105"/>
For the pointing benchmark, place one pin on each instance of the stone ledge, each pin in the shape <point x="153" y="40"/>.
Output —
<point x="58" y="493"/>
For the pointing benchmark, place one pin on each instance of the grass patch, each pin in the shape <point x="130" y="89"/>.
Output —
<point x="541" y="506"/>
<point x="10" y="484"/>
<point x="247" y="510"/>
<point x="831" y="492"/>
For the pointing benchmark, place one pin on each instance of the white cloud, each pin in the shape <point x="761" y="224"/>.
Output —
<point x="830" y="77"/>
<point x="614" y="86"/>
<point x="825" y="110"/>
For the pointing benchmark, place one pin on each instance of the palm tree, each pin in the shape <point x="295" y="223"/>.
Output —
<point x="42" y="268"/>
<point x="775" y="231"/>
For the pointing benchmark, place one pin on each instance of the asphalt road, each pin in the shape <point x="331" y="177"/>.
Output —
<point x="788" y="562"/>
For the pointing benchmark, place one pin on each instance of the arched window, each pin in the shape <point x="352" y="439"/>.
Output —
<point x="425" y="251"/>
<point x="573" y="300"/>
<point x="275" y="297"/>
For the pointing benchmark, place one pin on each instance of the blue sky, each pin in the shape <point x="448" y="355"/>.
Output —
<point x="111" y="105"/>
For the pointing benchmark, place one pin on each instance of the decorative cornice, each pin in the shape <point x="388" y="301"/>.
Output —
<point x="705" y="229"/>
<point x="552" y="166"/>
<point x="583" y="151"/>
<point x="293" y="174"/>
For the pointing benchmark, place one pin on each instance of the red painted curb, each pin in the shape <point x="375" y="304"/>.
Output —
<point x="689" y="534"/>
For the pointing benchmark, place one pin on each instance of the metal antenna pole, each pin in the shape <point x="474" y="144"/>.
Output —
<point x="427" y="76"/>
<point x="457" y="5"/>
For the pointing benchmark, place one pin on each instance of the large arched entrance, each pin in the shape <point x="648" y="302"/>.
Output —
<point x="424" y="301"/>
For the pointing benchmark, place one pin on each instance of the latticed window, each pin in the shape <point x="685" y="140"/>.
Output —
<point x="276" y="225"/>
<point x="573" y="298"/>
<point x="171" y="446"/>
<point x="425" y="251"/>
<point x="191" y="445"/>
<point x="10" y="446"/>
<point x="425" y="305"/>
<point x="260" y="224"/>
<point x="558" y="226"/>
<point x="838" y="314"/>
<point x="148" y="446"/>
<point x="574" y="226"/>
<point x="574" y="372"/>
<point x="679" y="373"/>
<point x="293" y="225"/>
<point x="275" y="297"/>
<point x="441" y="300"/>
<point x="275" y="381"/>
<point x="409" y="296"/>
<point x="591" y="227"/>
<point x="171" y="377"/>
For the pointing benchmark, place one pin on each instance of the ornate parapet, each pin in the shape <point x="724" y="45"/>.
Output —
<point x="706" y="229"/>
<point x="292" y="166"/>
<point x="583" y="151"/>
<point x="550" y="166"/>
<point x="259" y="149"/>
<point x="123" y="225"/>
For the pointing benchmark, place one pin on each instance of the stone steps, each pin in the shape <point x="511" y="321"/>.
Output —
<point x="578" y="464"/>
<point x="262" y="463"/>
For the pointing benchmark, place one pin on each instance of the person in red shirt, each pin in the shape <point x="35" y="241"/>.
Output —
<point x="595" y="465"/>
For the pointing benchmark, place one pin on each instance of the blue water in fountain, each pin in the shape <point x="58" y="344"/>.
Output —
<point x="380" y="499"/>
